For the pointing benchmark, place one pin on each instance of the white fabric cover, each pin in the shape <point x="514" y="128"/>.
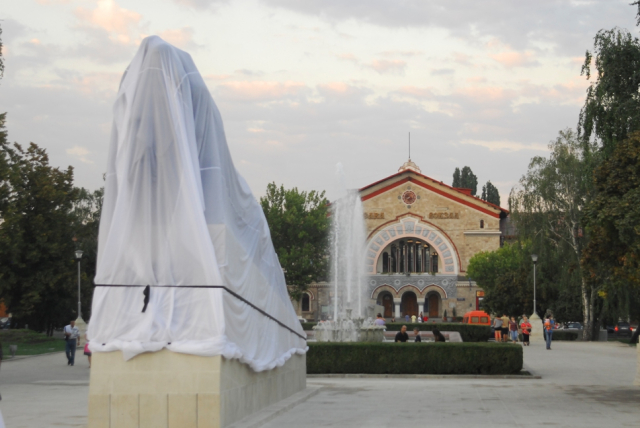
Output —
<point x="176" y="212"/>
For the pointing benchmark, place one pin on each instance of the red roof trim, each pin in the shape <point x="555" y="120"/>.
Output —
<point x="440" y="192"/>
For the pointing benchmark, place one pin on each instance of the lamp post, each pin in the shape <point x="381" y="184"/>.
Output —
<point x="78" y="257"/>
<point x="534" y="258"/>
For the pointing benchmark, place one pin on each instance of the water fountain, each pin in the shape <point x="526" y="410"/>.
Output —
<point x="351" y="321"/>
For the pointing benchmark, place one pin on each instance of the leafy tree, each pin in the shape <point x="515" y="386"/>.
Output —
<point x="612" y="107"/>
<point x="37" y="275"/>
<point x="299" y="226"/>
<point x="491" y="194"/>
<point x="86" y="221"/>
<point x="468" y="180"/>
<point x="465" y="179"/>
<point x="456" y="178"/>
<point x="549" y="206"/>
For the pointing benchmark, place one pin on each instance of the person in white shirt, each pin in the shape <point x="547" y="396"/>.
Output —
<point x="71" y="334"/>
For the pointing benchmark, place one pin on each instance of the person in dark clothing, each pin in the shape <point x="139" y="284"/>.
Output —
<point x="437" y="336"/>
<point x="416" y="331"/>
<point x="402" y="335"/>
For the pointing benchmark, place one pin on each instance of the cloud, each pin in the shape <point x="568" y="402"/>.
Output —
<point x="566" y="26"/>
<point x="80" y="153"/>
<point x="121" y="24"/>
<point x="384" y="66"/>
<point x="201" y="4"/>
<point x="260" y="91"/>
<point x="515" y="59"/>
<point x="510" y="146"/>
<point x="181" y="38"/>
<point x="442" y="71"/>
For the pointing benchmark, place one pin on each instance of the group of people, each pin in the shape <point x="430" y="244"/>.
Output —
<point x="403" y="336"/>
<point x="506" y="329"/>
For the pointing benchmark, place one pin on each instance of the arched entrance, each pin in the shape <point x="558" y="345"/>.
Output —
<point x="432" y="305"/>
<point x="386" y="299"/>
<point x="409" y="304"/>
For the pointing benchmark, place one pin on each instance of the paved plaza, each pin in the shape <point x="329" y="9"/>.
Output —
<point x="582" y="385"/>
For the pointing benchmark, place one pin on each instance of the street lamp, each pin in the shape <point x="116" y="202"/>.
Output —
<point x="78" y="257"/>
<point x="534" y="257"/>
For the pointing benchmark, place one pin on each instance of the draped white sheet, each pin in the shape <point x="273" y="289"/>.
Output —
<point x="176" y="212"/>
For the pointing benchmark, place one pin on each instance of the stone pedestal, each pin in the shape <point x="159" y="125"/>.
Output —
<point x="537" y="328"/>
<point x="168" y="389"/>
<point x="82" y="328"/>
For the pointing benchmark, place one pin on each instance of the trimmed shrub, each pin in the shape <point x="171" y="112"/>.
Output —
<point x="468" y="332"/>
<point x="307" y="326"/>
<point x="414" y="358"/>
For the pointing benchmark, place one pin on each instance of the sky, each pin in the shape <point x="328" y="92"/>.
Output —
<point x="303" y="85"/>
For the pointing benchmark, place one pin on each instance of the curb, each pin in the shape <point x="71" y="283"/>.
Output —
<point x="419" y="376"/>
<point x="269" y="413"/>
<point x="24" y="357"/>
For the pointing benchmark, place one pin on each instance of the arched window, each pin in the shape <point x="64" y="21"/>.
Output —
<point x="434" y="263"/>
<point x="385" y="262"/>
<point x="305" y="302"/>
<point x="407" y="256"/>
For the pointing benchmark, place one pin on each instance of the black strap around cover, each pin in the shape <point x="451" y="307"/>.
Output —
<point x="147" y="294"/>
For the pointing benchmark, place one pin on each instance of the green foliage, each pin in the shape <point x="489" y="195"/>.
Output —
<point x="468" y="332"/>
<point x="414" y="358"/>
<point x="490" y="194"/>
<point x="504" y="276"/>
<point x="299" y="226"/>
<point x="612" y="107"/>
<point x="1" y="60"/>
<point x="42" y="215"/>
<point x="456" y="178"/>
<point x="468" y="180"/>
<point x="465" y="179"/>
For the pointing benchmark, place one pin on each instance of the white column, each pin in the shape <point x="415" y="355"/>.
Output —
<point x="397" y="303"/>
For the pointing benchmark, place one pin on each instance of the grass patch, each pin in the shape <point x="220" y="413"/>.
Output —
<point x="414" y="358"/>
<point x="29" y="342"/>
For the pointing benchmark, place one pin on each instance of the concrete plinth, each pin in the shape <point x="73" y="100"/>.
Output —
<point x="537" y="328"/>
<point x="168" y="389"/>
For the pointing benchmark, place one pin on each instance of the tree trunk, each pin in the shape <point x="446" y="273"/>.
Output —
<point x="587" y="310"/>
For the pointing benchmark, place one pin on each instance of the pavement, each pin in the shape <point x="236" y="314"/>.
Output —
<point x="582" y="384"/>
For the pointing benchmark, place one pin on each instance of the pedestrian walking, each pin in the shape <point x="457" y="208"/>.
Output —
<point x="513" y="330"/>
<point x="549" y="323"/>
<point x="505" y="328"/>
<point x="71" y="334"/>
<point x="87" y="351"/>
<point x="497" y="329"/>
<point x="526" y="330"/>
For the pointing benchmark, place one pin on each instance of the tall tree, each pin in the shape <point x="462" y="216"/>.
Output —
<point x="456" y="178"/>
<point x="612" y="107"/>
<point x="36" y="248"/>
<point x="468" y="180"/>
<point x="490" y="193"/>
<point x="299" y="226"/>
<point x="549" y="206"/>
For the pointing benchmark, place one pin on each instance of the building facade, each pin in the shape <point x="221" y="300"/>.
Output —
<point x="421" y="234"/>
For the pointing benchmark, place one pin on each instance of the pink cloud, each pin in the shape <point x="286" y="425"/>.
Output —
<point x="181" y="37"/>
<point x="416" y="92"/>
<point x="120" y="23"/>
<point x="259" y="90"/>
<point x="482" y="94"/>
<point x="514" y="58"/>
<point x="384" y="66"/>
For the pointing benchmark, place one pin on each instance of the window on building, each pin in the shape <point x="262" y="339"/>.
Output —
<point x="305" y="302"/>
<point x="385" y="262"/>
<point x="481" y="224"/>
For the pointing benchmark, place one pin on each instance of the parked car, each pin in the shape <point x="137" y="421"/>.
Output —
<point x="574" y="325"/>
<point x="623" y="329"/>
<point x="476" y="317"/>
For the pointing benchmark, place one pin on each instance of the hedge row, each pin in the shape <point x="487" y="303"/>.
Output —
<point x="414" y="358"/>
<point x="468" y="332"/>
